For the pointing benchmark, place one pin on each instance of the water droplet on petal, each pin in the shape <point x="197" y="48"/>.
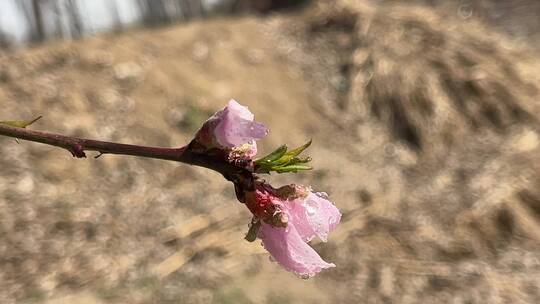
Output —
<point x="311" y="207"/>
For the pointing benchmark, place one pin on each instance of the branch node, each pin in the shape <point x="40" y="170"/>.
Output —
<point x="77" y="151"/>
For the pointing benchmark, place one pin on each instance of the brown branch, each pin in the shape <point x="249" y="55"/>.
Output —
<point x="78" y="146"/>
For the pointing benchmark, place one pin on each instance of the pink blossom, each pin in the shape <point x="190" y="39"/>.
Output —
<point x="232" y="128"/>
<point x="313" y="216"/>
<point x="306" y="216"/>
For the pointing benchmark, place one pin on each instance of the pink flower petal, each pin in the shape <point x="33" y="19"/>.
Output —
<point x="313" y="216"/>
<point x="240" y="110"/>
<point x="296" y="211"/>
<point x="288" y="249"/>
<point x="236" y="126"/>
<point x="307" y="215"/>
<point x="322" y="215"/>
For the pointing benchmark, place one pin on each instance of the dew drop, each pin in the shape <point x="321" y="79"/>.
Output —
<point x="311" y="207"/>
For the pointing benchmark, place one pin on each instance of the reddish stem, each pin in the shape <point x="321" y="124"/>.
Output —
<point x="77" y="146"/>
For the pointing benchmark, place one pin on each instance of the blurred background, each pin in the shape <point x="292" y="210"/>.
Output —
<point x="424" y="116"/>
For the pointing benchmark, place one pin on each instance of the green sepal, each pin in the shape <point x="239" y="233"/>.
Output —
<point x="19" y="123"/>
<point x="297" y="151"/>
<point x="289" y="156"/>
<point x="282" y="161"/>
<point x="276" y="154"/>
<point x="304" y="160"/>
<point x="292" y="168"/>
<point x="291" y="160"/>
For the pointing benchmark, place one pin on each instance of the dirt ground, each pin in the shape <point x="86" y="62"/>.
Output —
<point x="426" y="136"/>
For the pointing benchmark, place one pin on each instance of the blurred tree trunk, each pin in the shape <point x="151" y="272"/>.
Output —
<point x="38" y="21"/>
<point x="58" y="27"/>
<point x="265" y="6"/>
<point x="117" y="22"/>
<point x="75" y="24"/>
<point x="154" y="12"/>
<point x="185" y="9"/>
<point x="5" y="43"/>
<point x="196" y="7"/>
<point x="31" y="11"/>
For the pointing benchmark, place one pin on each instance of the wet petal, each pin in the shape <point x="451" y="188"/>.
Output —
<point x="313" y="216"/>
<point x="239" y="110"/>
<point x="233" y="131"/>
<point x="236" y="126"/>
<point x="290" y="251"/>
<point x="296" y="211"/>
<point x="322" y="215"/>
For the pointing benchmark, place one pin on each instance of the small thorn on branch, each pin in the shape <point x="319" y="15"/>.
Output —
<point x="99" y="155"/>
<point x="77" y="151"/>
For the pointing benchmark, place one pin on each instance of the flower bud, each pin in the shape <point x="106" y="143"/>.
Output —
<point x="232" y="129"/>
